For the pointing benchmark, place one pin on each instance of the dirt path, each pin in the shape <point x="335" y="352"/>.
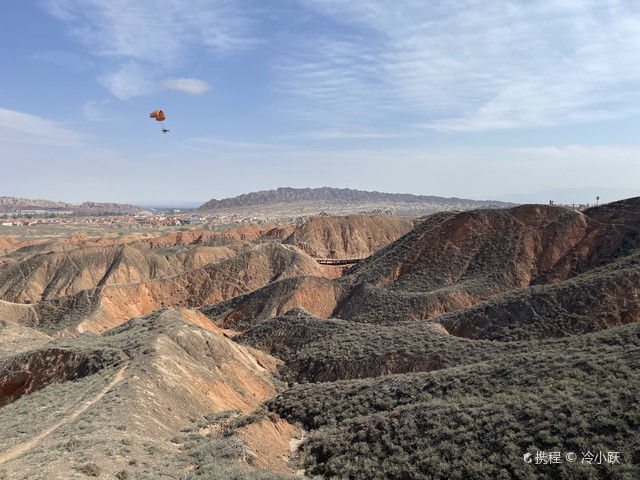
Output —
<point x="19" y="449"/>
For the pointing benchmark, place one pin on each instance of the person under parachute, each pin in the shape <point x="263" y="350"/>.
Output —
<point x="159" y="116"/>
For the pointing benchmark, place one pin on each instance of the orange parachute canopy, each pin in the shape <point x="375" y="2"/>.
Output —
<point x="158" y="115"/>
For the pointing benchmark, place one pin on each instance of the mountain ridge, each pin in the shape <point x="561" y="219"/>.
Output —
<point x="17" y="204"/>
<point x="344" y="195"/>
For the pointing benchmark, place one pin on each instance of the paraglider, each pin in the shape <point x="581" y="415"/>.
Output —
<point x="159" y="116"/>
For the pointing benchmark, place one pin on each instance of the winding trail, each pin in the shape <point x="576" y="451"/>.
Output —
<point x="20" y="448"/>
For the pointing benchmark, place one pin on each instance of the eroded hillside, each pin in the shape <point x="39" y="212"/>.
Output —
<point x="129" y="398"/>
<point x="355" y="236"/>
<point x="483" y="274"/>
<point x="66" y="286"/>
<point x="456" y="347"/>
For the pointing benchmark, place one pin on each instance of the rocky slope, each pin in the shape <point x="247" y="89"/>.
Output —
<point x="107" y="306"/>
<point x="355" y="236"/>
<point x="16" y="338"/>
<point x="162" y="375"/>
<point x="541" y="264"/>
<point x="73" y="284"/>
<point x="52" y="275"/>
<point x="453" y="261"/>
<point x="21" y="249"/>
<point x="317" y="295"/>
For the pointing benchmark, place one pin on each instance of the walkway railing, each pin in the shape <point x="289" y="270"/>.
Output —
<point x="337" y="261"/>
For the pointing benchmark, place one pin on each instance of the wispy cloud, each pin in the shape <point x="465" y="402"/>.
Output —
<point x="20" y="127"/>
<point x="151" y="36"/>
<point x="130" y="79"/>
<point x="472" y="65"/>
<point x="192" y="86"/>
<point x="339" y="74"/>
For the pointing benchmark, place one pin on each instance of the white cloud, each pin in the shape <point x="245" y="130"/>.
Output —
<point x="339" y="74"/>
<point x="150" y="30"/>
<point x="192" y="86"/>
<point x="129" y="80"/>
<point x="151" y="36"/>
<point x="472" y="65"/>
<point x="20" y="127"/>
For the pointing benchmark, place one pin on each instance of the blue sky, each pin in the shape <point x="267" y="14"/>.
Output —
<point x="478" y="99"/>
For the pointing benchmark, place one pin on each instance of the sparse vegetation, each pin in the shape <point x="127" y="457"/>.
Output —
<point x="220" y="454"/>
<point x="319" y="350"/>
<point x="477" y="421"/>
<point x="474" y="339"/>
<point x="72" y="444"/>
<point x="91" y="470"/>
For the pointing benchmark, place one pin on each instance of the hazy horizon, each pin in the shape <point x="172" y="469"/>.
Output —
<point x="568" y="196"/>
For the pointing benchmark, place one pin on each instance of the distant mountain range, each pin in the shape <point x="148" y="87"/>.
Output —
<point x="21" y="205"/>
<point x="344" y="201"/>
<point x="338" y="195"/>
<point x="281" y="202"/>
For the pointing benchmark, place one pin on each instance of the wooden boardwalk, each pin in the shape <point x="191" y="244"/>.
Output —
<point x="337" y="261"/>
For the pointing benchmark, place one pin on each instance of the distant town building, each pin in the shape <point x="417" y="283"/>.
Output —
<point x="42" y="212"/>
